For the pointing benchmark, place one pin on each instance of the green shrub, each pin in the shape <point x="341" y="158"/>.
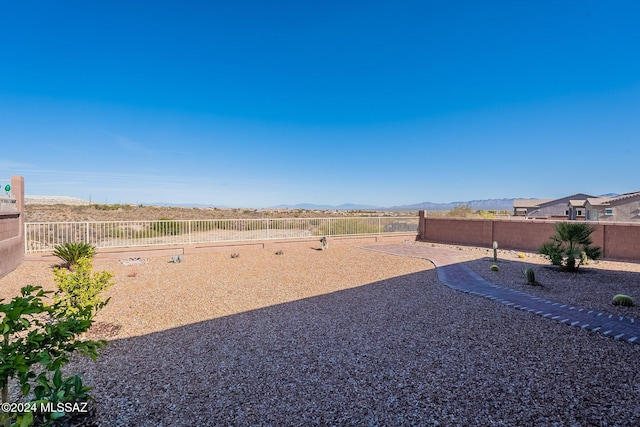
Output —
<point x="570" y="246"/>
<point x="166" y="227"/>
<point x="623" y="300"/>
<point x="37" y="341"/>
<point x="71" y="253"/>
<point x="495" y="268"/>
<point x="460" y="211"/>
<point x="346" y="227"/>
<point x="80" y="288"/>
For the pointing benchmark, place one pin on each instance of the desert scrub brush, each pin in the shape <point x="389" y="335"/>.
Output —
<point x="623" y="300"/>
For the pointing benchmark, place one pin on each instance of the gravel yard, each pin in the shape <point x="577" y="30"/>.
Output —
<point x="348" y="336"/>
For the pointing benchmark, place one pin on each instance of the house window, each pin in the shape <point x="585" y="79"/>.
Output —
<point x="594" y="214"/>
<point x="566" y="213"/>
<point x="608" y="211"/>
<point x="579" y="212"/>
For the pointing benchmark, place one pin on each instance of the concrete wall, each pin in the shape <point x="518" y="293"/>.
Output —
<point x="618" y="241"/>
<point x="12" y="229"/>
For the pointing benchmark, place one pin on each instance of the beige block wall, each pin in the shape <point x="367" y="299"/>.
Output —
<point x="618" y="241"/>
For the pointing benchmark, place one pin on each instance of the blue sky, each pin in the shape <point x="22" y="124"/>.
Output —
<point x="260" y="103"/>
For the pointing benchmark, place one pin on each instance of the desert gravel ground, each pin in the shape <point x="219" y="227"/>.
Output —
<point x="351" y="337"/>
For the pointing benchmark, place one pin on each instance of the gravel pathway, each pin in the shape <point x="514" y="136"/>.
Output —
<point x="339" y="337"/>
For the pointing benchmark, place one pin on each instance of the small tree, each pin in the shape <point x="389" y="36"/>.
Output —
<point x="570" y="245"/>
<point x="37" y="339"/>
<point x="461" y="211"/>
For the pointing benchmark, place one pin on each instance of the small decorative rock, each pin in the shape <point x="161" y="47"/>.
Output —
<point x="234" y="255"/>
<point x="280" y="253"/>
<point x="134" y="261"/>
<point x="177" y="259"/>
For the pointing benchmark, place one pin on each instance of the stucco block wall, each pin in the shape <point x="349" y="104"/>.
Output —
<point x="512" y="235"/>
<point x="617" y="241"/>
<point x="12" y="230"/>
<point x="620" y="241"/>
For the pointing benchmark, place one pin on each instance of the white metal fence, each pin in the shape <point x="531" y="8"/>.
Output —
<point x="44" y="236"/>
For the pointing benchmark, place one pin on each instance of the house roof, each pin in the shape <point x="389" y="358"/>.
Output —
<point x="575" y="197"/>
<point x="624" y="196"/>
<point x="598" y="201"/>
<point x="575" y="200"/>
<point x="529" y="203"/>
<point x="605" y="201"/>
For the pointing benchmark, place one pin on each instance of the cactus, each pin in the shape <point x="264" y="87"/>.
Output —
<point x="495" y="251"/>
<point x="623" y="300"/>
<point x="530" y="275"/>
<point x="495" y="268"/>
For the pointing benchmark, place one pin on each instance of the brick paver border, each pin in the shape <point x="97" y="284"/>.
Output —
<point x="454" y="274"/>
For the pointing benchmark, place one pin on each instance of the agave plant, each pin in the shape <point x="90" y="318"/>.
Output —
<point x="70" y="253"/>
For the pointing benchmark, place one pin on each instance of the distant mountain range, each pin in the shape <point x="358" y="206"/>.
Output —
<point x="489" y="204"/>
<point x="343" y="207"/>
<point x="486" y="204"/>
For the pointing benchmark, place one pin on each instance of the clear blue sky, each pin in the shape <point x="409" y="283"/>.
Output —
<point x="259" y="103"/>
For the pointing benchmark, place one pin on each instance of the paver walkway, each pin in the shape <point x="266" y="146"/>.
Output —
<point x="453" y="273"/>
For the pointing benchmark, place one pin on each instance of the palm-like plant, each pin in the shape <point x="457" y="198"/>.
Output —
<point x="70" y="253"/>
<point x="570" y="245"/>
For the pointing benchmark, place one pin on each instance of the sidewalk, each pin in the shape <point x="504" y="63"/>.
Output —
<point x="453" y="273"/>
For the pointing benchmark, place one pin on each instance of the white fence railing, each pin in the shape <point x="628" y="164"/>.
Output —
<point x="44" y="236"/>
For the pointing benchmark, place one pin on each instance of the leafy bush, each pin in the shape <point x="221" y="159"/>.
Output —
<point x="81" y="288"/>
<point x="461" y="211"/>
<point x="495" y="268"/>
<point x="166" y="227"/>
<point x="570" y="246"/>
<point x="346" y="227"/>
<point x="37" y="341"/>
<point x="71" y="253"/>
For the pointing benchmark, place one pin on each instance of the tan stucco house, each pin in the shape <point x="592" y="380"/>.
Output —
<point x="569" y="207"/>
<point x="622" y="208"/>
